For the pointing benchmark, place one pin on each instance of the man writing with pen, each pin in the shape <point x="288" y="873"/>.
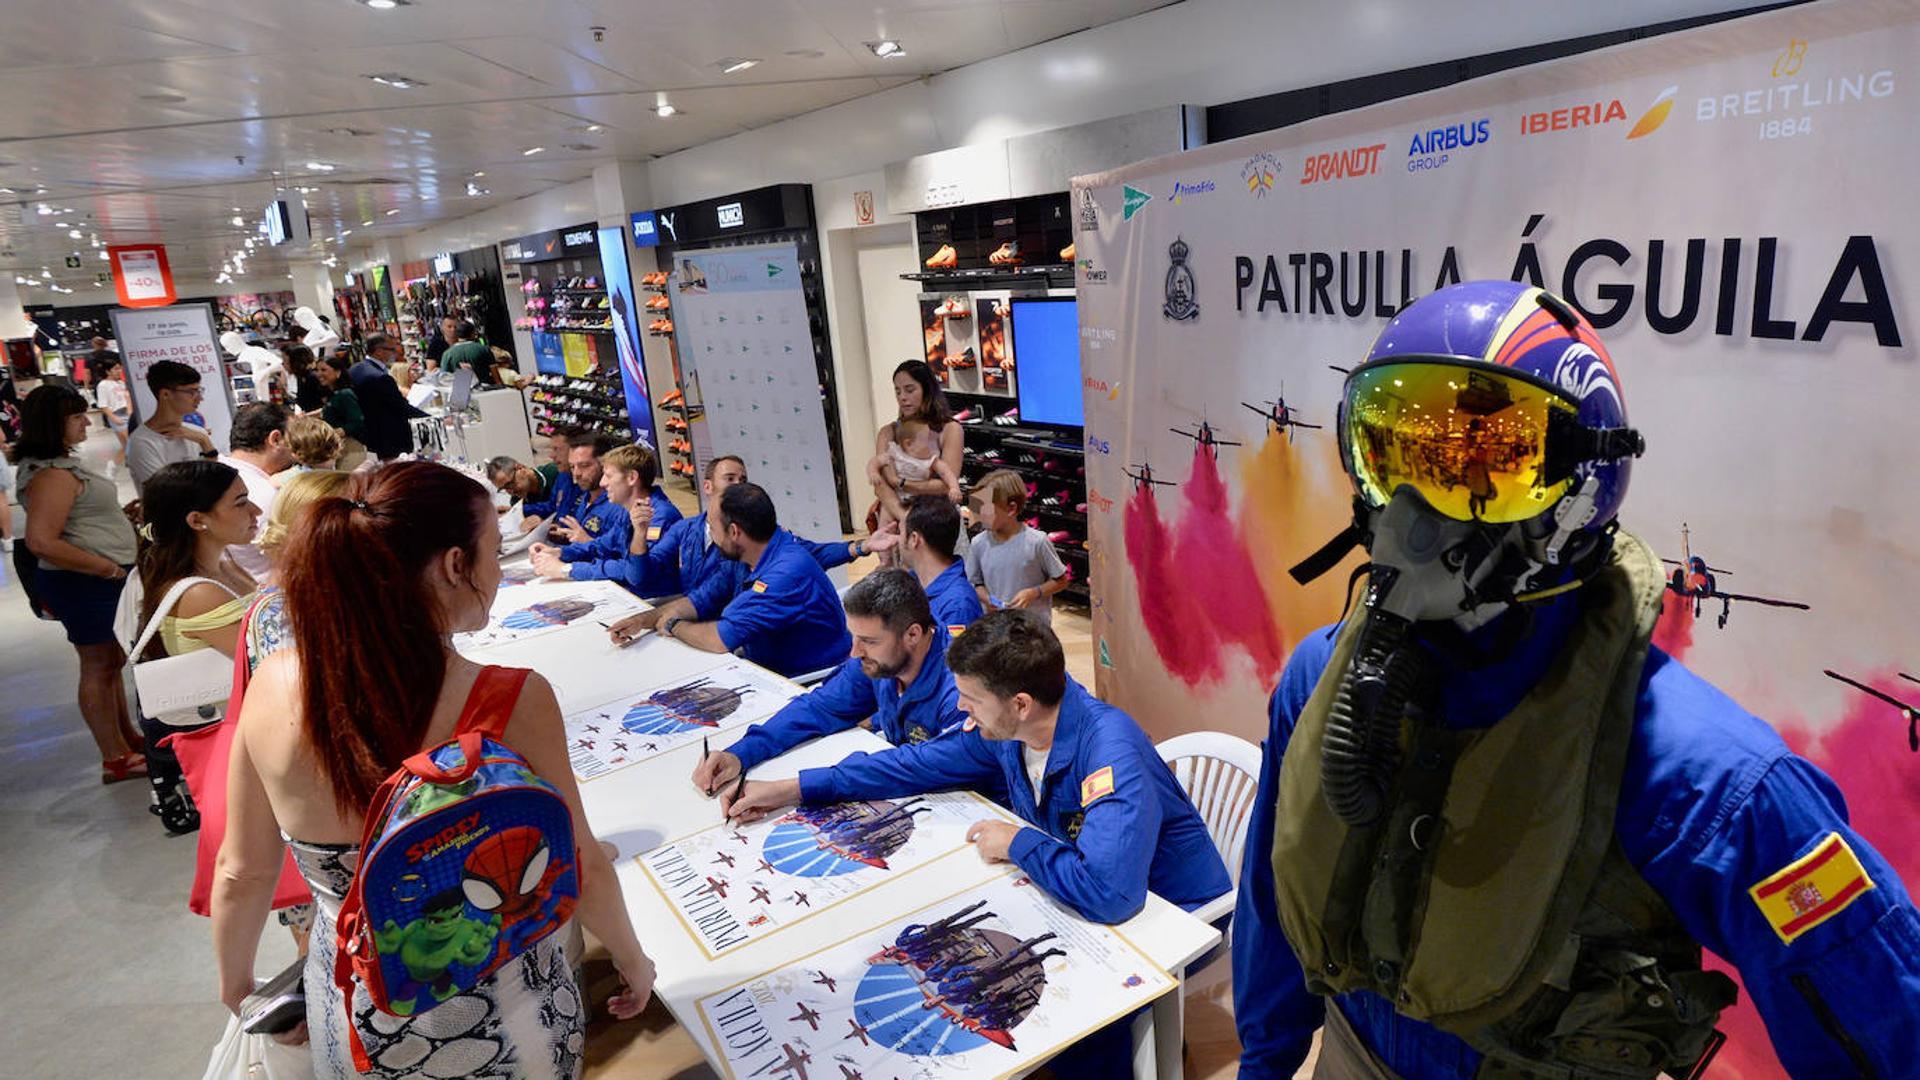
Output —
<point x="897" y="676"/>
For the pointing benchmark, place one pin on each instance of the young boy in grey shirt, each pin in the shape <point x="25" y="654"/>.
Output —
<point x="1010" y="563"/>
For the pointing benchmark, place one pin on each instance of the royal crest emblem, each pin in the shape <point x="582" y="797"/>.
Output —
<point x="1182" y="304"/>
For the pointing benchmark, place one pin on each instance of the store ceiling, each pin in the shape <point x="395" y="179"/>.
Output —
<point x="138" y="121"/>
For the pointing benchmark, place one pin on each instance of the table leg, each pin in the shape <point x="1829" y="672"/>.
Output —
<point x="1145" y="1054"/>
<point x="1169" y="1029"/>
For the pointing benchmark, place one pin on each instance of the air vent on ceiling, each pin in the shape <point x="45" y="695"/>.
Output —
<point x="376" y="181"/>
<point x="579" y="147"/>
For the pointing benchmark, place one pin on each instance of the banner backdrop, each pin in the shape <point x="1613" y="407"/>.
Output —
<point x="1732" y="208"/>
<point x="182" y="333"/>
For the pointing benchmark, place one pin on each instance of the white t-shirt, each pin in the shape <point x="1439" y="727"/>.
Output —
<point x="260" y="489"/>
<point x="1036" y="762"/>
<point x="148" y="453"/>
<point x="112" y="396"/>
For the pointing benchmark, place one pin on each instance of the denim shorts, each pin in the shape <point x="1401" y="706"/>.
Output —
<point x="84" y="604"/>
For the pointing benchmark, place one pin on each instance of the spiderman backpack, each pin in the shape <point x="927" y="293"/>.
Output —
<point x="467" y="861"/>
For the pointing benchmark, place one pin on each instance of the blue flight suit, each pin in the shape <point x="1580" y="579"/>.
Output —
<point x="684" y="560"/>
<point x="563" y="498"/>
<point x="1712" y="803"/>
<point x="1088" y="847"/>
<point x="929" y="707"/>
<point x="954" y="601"/>
<point x="604" y="559"/>
<point x="609" y="528"/>
<point x="788" y="616"/>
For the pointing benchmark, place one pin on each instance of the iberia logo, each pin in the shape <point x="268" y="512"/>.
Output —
<point x="1655" y="115"/>
<point x="1133" y="200"/>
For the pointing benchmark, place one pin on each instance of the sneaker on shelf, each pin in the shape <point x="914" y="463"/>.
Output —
<point x="966" y="416"/>
<point x="673" y="397"/>
<point x="1060" y="537"/>
<point x="955" y="308"/>
<point x="1080" y="507"/>
<point x="990" y="456"/>
<point x="1009" y="418"/>
<point x="1007" y="254"/>
<point x="1067" y="253"/>
<point x="1053" y="465"/>
<point x="659" y="303"/>
<point x="1032" y="522"/>
<point x="944" y="259"/>
<point x="964" y="360"/>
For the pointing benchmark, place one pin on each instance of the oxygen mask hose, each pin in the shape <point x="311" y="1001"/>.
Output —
<point x="1360" y="751"/>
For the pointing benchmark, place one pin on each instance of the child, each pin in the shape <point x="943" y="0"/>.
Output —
<point x="314" y="444"/>
<point x="913" y="454"/>
<point x="1011" y="563"/>
<point x="117" y="408"/>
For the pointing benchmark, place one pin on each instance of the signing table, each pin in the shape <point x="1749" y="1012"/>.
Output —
<point x="640" y="806"/>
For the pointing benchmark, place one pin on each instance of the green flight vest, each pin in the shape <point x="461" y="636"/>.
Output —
<point x="1490" y="899"/>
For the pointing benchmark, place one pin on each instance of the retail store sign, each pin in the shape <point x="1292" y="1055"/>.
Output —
<point x="141" y="275"/>
<point x="863" y="208"/>
<point x="580" y="238"/>
<point x="646" y="231"/>
<point x="443" y="263"/>
<point x="730" y="215"/>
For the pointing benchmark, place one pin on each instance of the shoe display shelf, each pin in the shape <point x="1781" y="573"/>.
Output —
<point x="1051" y="460"/>
<point x="596" y="401"/>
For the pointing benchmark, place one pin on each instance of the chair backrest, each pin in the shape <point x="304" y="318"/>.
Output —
<point x="1220" y="773"/>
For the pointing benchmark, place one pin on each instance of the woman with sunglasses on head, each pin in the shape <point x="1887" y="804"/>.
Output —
<point x="84" y="547"/>
<point x="388" y="575"/>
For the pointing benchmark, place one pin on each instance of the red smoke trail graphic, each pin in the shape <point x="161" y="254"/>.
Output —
<point x="1866" y="755"/>
<point x="1673" y="634"/>
<point x="1182" y="634"/>
<point x="1221" y="573"/>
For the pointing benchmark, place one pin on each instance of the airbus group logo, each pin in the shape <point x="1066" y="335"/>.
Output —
<point x="1434" y="149"/>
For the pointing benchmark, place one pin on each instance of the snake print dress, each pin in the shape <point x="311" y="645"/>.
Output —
<point x="526" y="1022"/>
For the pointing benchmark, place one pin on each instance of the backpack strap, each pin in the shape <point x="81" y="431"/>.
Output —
<point x="491" y="700"/>
<point x="352" y="937"/>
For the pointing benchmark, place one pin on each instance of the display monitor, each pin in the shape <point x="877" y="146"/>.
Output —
<point x="1046" y="354"/>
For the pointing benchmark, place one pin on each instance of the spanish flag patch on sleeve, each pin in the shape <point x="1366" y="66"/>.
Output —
<point x="759" y="586"/>
<point x="955" y="629"/>
<point x="1096" y="785"/>
<point x="653" y="533"/>
<point x="1811" y="889"/>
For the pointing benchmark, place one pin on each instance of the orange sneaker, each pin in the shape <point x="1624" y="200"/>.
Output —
<point x="1007" y="254"/>
<point x="944" y="259"/>
<point x="659" y="303"/>
<point x="955" y="308"/>
<point x="666" y="326"/>
<point x="1067" y="253"/>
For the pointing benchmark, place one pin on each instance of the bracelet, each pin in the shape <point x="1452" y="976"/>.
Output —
<point x="672" y="621"/>
<point x="860" y="548"/>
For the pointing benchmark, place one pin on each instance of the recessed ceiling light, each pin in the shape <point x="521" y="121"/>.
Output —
<point x="390" y="213"/>
<point x="346" y="232"/>
<point x="664" y="110"/>
<point x="805" y="54"/>
<point x="532" y="150"/>
<point x="367" y="222"/>
<point x="397" y="81"/>
<point x="239" y="221"/>
<point x="886" y="49"/>
<point x="579" y="147"/>
<point x="479" y="174"/>
<point x="731" y="64"/>
<point x="166" y="96"/>
<point x="59" y="224"/>
<point x="74" y="234"/>
<point x="320" y="166"/>
<point x="386" y="5"/>
<point x="7" y="191"/>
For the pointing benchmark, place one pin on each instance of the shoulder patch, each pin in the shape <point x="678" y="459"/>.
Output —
<point x="1811" y="889"/>
<point x="653" y="532"/>
<point x="760" y="586"/>
<point x="593" y="525"/>
<point x="955" y="629"/>
<point x="1096" y="785"/>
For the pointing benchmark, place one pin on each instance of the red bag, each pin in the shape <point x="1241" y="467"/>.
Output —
<point x="205" y="755"/>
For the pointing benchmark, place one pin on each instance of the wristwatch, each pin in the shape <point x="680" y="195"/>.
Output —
<point x="672" y="621"/>
<point x="860" y="548"/>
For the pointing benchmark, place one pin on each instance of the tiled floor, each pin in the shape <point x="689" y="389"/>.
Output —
<point x="95" y="899"/>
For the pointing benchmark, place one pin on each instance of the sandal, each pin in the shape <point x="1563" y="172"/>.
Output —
<point x="131" y="766"/>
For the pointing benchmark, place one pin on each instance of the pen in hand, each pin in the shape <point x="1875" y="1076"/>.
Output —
<point x="705" y="753"/>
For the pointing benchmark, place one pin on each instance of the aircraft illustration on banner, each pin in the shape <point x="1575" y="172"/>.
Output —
<point x="1909" y="711"/>
<point x="1693" y="577"/>
<point x="1203" y="437"/>
<point x="1143" y="479"/>
<point x="796" y="1062"/>
<point x="1279" y="415"/>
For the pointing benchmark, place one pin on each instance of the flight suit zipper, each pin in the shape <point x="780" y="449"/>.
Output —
<point x="1831" y="1024"/>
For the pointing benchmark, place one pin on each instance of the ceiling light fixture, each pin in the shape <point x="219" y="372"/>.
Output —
<point x="346" y="232"/>
<point x="805" y="54"/>
<point x="479" y="174"/>
<point x="532" y="150"/>
<point x="386" y="5"/>
<point x="320" y="166"/>
<point x="395" y="80"/>
<point x="367" y="222"/>
<point x="74" y="234"/>
<point x="7" y="191"/>
<point x="596" y="128"/>
<point x="59" y="224"/>
<point x="664" y="110"/>
<point x="886" y="49"/>
<point x="239" y="222"/>
<point x="390" y="213"/>
<point x="103" y="257"/>
<point x="733" y="64"/>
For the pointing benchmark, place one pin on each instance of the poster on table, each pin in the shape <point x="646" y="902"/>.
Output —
<point x="648" y="721"/>
<point x="732" y="885"/>
<point x="183" y="333"/>
<point x="740" y="320"/>
<point x="989" y="982"/>
<point x="1730" y="206"/>
<point x="535" y="607"/>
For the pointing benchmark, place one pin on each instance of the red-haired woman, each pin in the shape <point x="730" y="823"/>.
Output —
<point x="376" y="584"/>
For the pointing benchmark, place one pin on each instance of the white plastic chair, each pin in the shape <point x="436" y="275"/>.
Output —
<point x="1220" y="773"/>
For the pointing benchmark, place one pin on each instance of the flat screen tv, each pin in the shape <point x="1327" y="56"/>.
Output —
<point x="1046" y="356"/>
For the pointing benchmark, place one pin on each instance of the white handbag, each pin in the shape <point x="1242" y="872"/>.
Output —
<point x="173" y="688"/>
<point x="240" y="1056"/>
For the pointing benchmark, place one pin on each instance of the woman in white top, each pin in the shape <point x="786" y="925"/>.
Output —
<point x="116" y="406"/>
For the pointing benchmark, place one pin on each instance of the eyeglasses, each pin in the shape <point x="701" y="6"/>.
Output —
<point x="195" y="391"/>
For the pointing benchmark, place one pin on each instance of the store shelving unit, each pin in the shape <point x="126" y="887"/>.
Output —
<point x="595" y="401"/>
<point x="1053" y="462"/>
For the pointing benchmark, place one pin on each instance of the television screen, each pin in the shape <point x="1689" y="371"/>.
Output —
<point x="1046" y="355"/>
